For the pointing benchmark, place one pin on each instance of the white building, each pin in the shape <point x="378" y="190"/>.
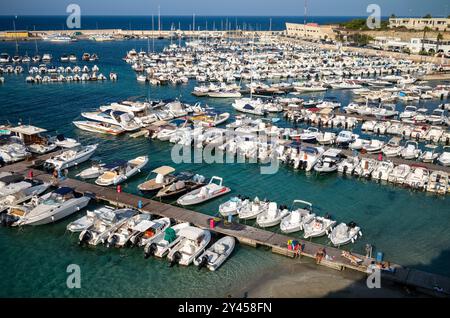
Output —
<point x="310" y="31"/>
<point x="435" y="24"/>
<point x="415" y="45"/>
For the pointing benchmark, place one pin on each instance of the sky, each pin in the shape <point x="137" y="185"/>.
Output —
<point x="227" y="7"/>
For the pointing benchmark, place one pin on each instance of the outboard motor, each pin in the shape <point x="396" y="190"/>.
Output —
<point x="112" y="241"/>
<point x="7" y="220"/>
<point x="176" y="259"/>
<point x="48" y="166"/>
<point x="133" y="241"/>
<point x="85" y="238"/>
<point x="203" y="262"/>
<point x="150" y="251"/>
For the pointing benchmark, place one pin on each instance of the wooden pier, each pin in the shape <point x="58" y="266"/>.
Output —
<point x="432" y="284"/>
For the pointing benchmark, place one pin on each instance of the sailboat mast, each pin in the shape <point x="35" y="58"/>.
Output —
<point x="153" y="33"/>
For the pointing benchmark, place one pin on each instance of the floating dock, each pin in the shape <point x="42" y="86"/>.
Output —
<point x="432" y="284"/>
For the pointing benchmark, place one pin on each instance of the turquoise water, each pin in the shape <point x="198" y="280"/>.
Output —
<point x="410" y="228"/>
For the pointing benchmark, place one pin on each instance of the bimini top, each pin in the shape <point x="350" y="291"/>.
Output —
<point x="191" y="232"/>
<point x="163" y="170"/>
<point x="310" y="150"/>
<point x="63" y="190"/>
<point x="248" y="106"/>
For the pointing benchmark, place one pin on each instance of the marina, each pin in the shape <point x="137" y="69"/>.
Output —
<point x="337" y="125"/>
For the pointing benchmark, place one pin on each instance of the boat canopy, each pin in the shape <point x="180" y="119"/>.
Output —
<point x="248" y="106"/>
<point x="63" y="190"/>
<point x="163" y="170"/>
<point x="310" y="150"/>
<point x="191" y="233"/>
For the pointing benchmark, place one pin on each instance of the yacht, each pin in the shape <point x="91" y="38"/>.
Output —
<point x="294" y="221"/>
<point x="309" y="135"/>
<point x="193" y="241"/>
<point x="123" y="119"/>
<point x="122" y="171"/>
<point x="99" y="127"/>
<point x="69" y="158"/>
<point x="52" y="207"/>
<point x="21" y="194"/>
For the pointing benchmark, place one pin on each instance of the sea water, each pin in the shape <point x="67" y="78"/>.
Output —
<point x="409" y="227"/>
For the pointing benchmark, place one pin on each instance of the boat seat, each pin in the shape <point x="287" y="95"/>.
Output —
<point x="179" y="185"/>
<point x="220" y="248"/>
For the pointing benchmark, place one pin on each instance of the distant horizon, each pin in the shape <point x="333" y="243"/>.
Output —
<point x="211" y="15"/>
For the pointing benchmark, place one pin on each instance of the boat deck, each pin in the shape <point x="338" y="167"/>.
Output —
<point x="253" y="236"/>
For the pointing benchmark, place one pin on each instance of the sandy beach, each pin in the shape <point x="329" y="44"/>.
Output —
<point x="301" y="278"/>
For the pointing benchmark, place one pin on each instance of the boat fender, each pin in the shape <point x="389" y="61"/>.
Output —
<point x="353" y="240"/>
<point x="78" y="208"/>
<point x="360" y="233"/>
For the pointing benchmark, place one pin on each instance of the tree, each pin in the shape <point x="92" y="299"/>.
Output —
<point x="393" y="16"/>
<point x="427" y="16"/>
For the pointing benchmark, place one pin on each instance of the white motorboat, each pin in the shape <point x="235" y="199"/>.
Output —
<point x="210" y="191"/>
<point x="374" y="146"/>
<point x="99" y="127"/>
<point x="93" y="172"/>
<point x="99" y="231"/>
<point x="185" y="182"/>
<point x="69" y="158"/>
<point x="348" y="165"/>
<point x="438" y="182"/>
<point x="52" y="207"/>
<point x="326" y="138"/>
<point x="66" y="143"/>
<point x="410" y="150"/>
<point x="317" y="226"/>
<point x="233" y="206"/>
<point x="429" y="155"/>
<point x="21" y="196"/>
<point x="160" y="245"/>
<point x="329" y="161"/>
<point x="192" y="243"/>
<point x="399" y="174"/>
<point x="345" y="138"/>
<point x="444" y="158"/>
<point x="10" y="184"/>
<point x="83" y="223"/>
<point x="164" y="177"/>
<point x="343" y="234"/>
<point x="216" y="255"/>
<point x="210" y="119"/>
<point x="252" y="210"/>
<point x="122" y="170"/>
<point x="418" y="177"/>
<point x="408" y="113"/>
<point x="365" y="168"/>
<point x="148" y="231"/>
<point x="272" y="216"/>
<point x="359" y="143"/>
<point x="121" y="236"/>
<point x="308" y="157"/>
<point x="294" y="221"/>
<point x="437" y="117"/>
<point x="392" y="148"/>
<point x="250" y="106"/>
<point x="114" y="117"/>
<point x="383" y="170"/>
<point x="309" y="135"/>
